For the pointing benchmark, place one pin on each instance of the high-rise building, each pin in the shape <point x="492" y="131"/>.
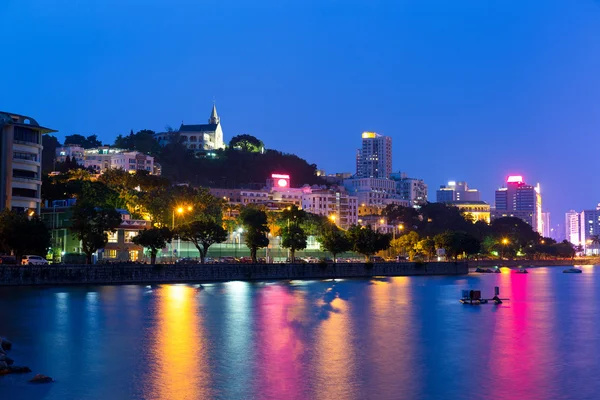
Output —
<point x="545" y="224"/>
<point x="20" y="162"/>
<point x="457" y="191"/>
<point x="199" y="137"/>
<point x="572" y="227"/>
<point x="517" y="199"/>
<point x="590" y="230"/>
<point x="374" y="158"/>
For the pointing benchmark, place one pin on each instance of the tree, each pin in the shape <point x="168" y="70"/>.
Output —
<point x="202" y="234"/>
<point x="334" y="240"/>
<point x="406" y="244"/>
<point x="255" y="225"/>
<point x="293" y="238"/>
<point x="457" y="243"/>
<point x="366" y="241"/>
<point x="154" y="239"/>
<point x="50" y="144"/>
<point x="246" y="143"/>
<point x="21" y="235"/>
<point x="426" y="247"/>
<point x="87" y="143"/>
<point x="90" y="225"/>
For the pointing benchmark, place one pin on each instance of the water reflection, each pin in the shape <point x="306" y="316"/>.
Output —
<point x="178" y="355"/>
<point x="279" y="369"/>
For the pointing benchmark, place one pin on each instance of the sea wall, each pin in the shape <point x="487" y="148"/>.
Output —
<point x="124" y="274"/>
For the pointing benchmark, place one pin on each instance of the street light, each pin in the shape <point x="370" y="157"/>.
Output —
<point x="504" y="243"/>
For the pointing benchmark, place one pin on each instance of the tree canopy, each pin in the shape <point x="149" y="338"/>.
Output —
<point x="246" y="143"/>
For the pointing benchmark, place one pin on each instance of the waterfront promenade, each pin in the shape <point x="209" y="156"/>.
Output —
<point x="129" y="274"/>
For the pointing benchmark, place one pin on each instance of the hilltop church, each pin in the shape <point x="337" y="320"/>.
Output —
<point x="200" y="138"/>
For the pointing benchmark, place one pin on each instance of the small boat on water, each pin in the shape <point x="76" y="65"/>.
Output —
<point x="572" y="271"/>
<point x="473" y="297"/>
<point x="483" y="270"/>
<point x="521" y="271"/>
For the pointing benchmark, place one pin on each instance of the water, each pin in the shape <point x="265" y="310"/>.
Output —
<point x="396" y="338"/>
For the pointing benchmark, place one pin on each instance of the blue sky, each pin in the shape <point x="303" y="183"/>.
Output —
<point x="468" y="89"/>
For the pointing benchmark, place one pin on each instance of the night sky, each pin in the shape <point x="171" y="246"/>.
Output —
<point x="468" y="89"/>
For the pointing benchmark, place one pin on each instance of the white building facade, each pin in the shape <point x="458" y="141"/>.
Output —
<point x="105" y="158"/>
<point x="74" y="152"/>
<point x="20" y="163"/>
<point x="200" y="138"/>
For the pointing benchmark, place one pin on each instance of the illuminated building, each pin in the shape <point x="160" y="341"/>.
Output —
<point x="73" y="151"/>
<point x="335" y="204"/>
<point x="546" y="224"/>
<point x="519" y="200"/>
<point x="457" y="191"/>
<point x="20" y="163"/>
<point x="478" y="210"/>
<point x="373" y="193"/>
<point x="199" y="138"/>
<point x="589" y="230"/>
<point x="413" y="190"/>
<point x="374" y="158"/>
<point x="103" y="158"/>
<point x="572" y="227"/>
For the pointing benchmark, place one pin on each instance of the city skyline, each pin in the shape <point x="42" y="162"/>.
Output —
<point x="312" y="78"/>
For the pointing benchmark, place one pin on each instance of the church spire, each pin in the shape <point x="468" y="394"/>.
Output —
<point x="214" y="118"/>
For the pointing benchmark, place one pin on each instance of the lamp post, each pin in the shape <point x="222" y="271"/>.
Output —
<point x="504" y="243"/>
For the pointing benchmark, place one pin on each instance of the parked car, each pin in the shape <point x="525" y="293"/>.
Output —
<point x="377" y="259"/>
<point x="8" y="260"/>
<point x="186" y="260"/>
<point x="33" y="260"/>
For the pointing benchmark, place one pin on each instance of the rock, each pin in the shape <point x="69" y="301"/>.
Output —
<point x="5" y="344"/>
<point x="19" y="370"/>
<point x="39" y="378"/>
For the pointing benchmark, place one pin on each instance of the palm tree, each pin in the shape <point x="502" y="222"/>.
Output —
<point x="594" y="242"/>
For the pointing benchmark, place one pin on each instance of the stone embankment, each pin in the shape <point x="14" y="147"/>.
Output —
<point x="7" y="367"/>
<point x="125" y="274"/>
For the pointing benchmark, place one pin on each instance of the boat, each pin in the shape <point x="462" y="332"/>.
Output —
<point x="572" y="271"/>
<point x="483" y="270"/>
<point x="473" y="297"/>
<point x="521" y="271"/>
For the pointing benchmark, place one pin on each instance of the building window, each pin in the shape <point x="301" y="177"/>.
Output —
<point x="192" y="146"/>
<point x="113" y="237"/>
<point x="111" y="253"/>
<point x="21" y="192"/>
<point x="193" y="138"/>
<point x="17" y="155"/>
<point x="22" y="173"/>
<point x="129" y="235"/>
<point x="26" y="135"/>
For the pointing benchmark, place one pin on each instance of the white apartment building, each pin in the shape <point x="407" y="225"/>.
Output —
<point x="73" y="151"/>
<point x="104" y="158"/>
<point x="413" y="190"/>
<point x="20" y="162"/>
<point x="373" y="192"/>
<point x="334" y="204"/>
<point x="572" y="227"/>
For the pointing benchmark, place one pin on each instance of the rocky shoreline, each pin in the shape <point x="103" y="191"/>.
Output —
<point x="7" y="364"/>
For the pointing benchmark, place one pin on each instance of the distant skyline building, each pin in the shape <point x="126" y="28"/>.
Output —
<point x="589" y="230"/>
<point x="200" y="137"/>
<point x="413" y="190"/>
<point x="374" y="158"/>
<point x="21" y="163"/>
<point x="545" y="224"/>
<point x="518" y="199"/>
<point x="457" y="191"/>
<point x="572" y="227"/>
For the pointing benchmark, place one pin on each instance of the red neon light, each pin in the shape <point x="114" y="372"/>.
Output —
<point x="280" y="176"/>
<point x="514" y="179"/>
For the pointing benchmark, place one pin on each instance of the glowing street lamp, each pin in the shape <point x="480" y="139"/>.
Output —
<point x="504" y="243"/>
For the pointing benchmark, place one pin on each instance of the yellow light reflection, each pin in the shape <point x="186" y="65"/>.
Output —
<point x="178" y="364"/>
